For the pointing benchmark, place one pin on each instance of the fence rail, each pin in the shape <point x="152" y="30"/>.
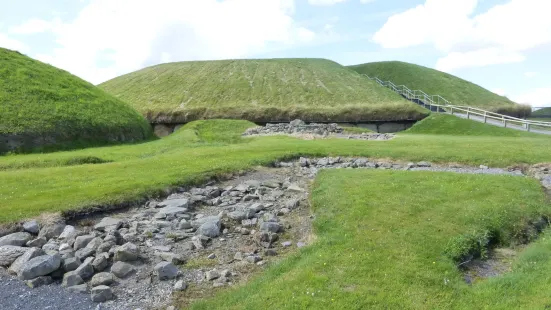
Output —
<point x="440" y="105"/>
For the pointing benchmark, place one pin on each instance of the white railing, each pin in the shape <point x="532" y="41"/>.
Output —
<point x="444" y="106"/>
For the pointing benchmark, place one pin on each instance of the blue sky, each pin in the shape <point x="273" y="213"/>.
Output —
<point x="502" y="45"/>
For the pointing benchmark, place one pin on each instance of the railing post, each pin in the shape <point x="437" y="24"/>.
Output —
<point x="504" y="123"/>
<point x="468" y="113"/>
<point x="485" y="117"/>
<point x="527" y="127"/>
<point x="451" y="110"/>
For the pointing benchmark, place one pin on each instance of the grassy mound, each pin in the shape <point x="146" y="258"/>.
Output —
<point x="442" y="124"/>
<point x="542" y="113"/>
<point x="43" y="108"/>
<point x="258" y="90"/>
<point x="434" y="82"/>
<point x="384" y="243"/>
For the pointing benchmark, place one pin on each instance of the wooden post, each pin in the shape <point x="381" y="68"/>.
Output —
<point x="504" y="123"/>
<point x="468" y="114"/>
<point x="451" y="110"/>
<point x="527" y="127"/>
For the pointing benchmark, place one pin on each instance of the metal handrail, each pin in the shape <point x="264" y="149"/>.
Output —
<point x="432" y="102"/>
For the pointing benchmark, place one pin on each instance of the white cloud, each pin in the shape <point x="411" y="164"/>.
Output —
<point x="109" y="38"/>
<point x="367" y="1"/>
<point x="530" y="75"/>
<point x="32" y="26"/>
<point x="506" y="31"/>
<point x="324" y="2"/>
<point x="539" y="97"/>
<point x="12" y="44"/>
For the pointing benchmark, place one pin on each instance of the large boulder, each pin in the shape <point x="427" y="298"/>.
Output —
<point x="210" y="229"/>
<point x="82" y="241"/>
<point x="101" y="293"/>
<point x="9" y="253"/>
<point x="21" y="260"/>
<point x="103" y="278"/>
<point x="166" y="271"/>
<point x="127" y="252"/>
<point x="39" y="266"/>
<point x="71" y="279"/>
<point x="52" y="230"/>
<point x="122" y="270"/>
<point x="85" y="270"/>
<point x="16" y="239"/>
<point x="31" y="226"/>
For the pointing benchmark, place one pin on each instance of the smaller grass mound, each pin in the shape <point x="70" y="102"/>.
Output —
<point x="43" y="108"/>
<point x="442" y="124"/>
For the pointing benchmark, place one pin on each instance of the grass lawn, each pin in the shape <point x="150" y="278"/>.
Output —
<point x="258" y="90"/>
<point x="434" y="82"/>
<point x="48" y="108"/>
<point x="390" y="239"/>
<point x="36" y="183"/>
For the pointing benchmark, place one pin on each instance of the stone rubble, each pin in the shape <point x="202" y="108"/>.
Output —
<point x="207" y="236"/>
<point x="299" y="128"/>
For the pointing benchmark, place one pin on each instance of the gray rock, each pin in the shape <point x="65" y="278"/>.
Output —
<point x="51" y="246"/>
<point x="271" y="227"/>
<point x="237" y="215"/>
<point x="71" y="263"/>
<point x="39" y="266"/>
<point x="271" y="183"/>
<point x="52" y="230"/>
<point x="40" y="281"/>
<point x="122" y="270"/>
<point x="210" y="229"/>
<point x="101" y="262"/>
<point x="82" y="254"/>
<point x="174" y="203"/>
<point x="212" y="275"/>
<point x="253" y="259"/>
<point x="82" y="241"/>
<point x="103" y="278"/>
<point x="126" y="253"/>
<point x="68" y="232"/>
<point x="175" y="259"/>
<point x="212" y="256"/>
<point x="80" y="289"/>
<point x="184" y="224"/>
<point x="292" y="204"/>
<point x="64" y="247"/>
<point x="424" y="164"/>
<point x="102" y="293"/>
<point x="200" y="221"/>
<point x="16" y="239"/>
<point x="238" y="256"/>
<point x="108" y="224"/>
<point x="71" y="279"/>
<point x="546" y="182"/>
<point x="37" y="243"/>
<point x="166" y="271"/>
<point x="85" y="271"/>
<point x="286" y="244"/>
<point x="9" y="253"/>
<point x="180" y="286"/>
<point x="200" y="242"/>
<point x="21" y="260"/>
<point x="105" y="247"/>
<point x="295" y="188"/>
<point x="32" y="227"/>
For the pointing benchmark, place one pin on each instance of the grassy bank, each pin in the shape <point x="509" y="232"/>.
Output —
<point x="258" y="90"/>
<point x="434" y="82"/>
<point x="384" y="239"/>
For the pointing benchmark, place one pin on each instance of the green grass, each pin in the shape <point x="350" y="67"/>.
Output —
<point x="45" y="108"/>
<point x="441" y="124"/>
<point x="36" y="183"/>
<point x="434" y="82"/>
<point x="258" y="90"/>
<point x="383" y="240"/>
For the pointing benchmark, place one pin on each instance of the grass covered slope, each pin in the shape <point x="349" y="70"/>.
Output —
<point x="434" y="82"/>
<point x="42" y="107"/>
<point x="258" y="90"/>
<point x="442" y="124"/>
<point x="390" y="239"/>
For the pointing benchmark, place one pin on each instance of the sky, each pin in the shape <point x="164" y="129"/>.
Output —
<point x="502" y="45"/>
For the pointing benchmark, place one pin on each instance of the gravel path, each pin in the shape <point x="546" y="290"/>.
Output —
<point x="15" y="295"/>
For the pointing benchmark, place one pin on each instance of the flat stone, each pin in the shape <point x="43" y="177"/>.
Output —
<point x="40" y="281"/>
<point x="126" y="253"/>
<point x="9" y="253"/>
<point x="16" y="239"/>
<point x="39" y="266"/>
<point x="85" y="271"/>
<point x="180" y="286"/>
<point x="80" y="289"/>
<point x="102" y="293"/>
<point x="424" y="164"/>
<point x="32" y="227"/>
<point x="200" y="242"/>
<point x="105" y="247"/>
<point x="108" y="224"/>
<point x="51" y="246"/>
<point x="37" y="243"/>
<point x="82" y="241"/>
<point x="237" y="215"/>
<point x="82" y="254"/>
<point x="295" y="188"/>
<point x="68" y="232"/>
<point x="71" y="279"/>
<point x="52" y="231"/>
<point x="174" y="203"/>
<point x="71" y="263"/>
<point x="21" y="260"/>
<point x="210" y="229"/>
<point x="253" y="259"/>
<point x="271" y="183"/>
<point x="212" y="275"/>
<point x="166" y="271"/>
<point x="103" y="278"/>
<point x="270" y="227"/>
<point x="122" y="270"/>
<point x="175" y="259"/>
<point x="200" y="221"/>
<point x="286" y="244"/>
<point x="184" y="224"/>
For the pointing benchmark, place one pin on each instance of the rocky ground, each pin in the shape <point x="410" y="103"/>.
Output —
<point x="196" y="239"/>
<point x="300" y="129"/>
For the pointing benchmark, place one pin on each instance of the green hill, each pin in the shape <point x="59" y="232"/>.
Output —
<point x="542" y="113"/>
<point x="45" y="108"/>
<point x="258" y="90"/>
<point x="434" y="82"/>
